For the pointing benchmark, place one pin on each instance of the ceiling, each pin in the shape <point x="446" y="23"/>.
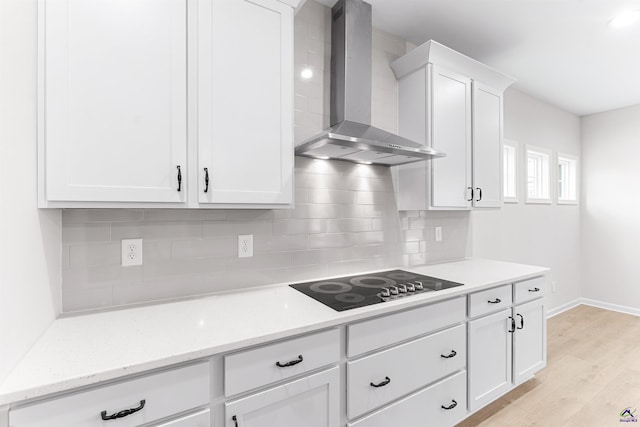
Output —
<point x="560" y="51"/>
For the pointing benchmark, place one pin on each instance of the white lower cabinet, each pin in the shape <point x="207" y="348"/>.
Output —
<point x="312" y="401"/>
<point x="529" y="340"/>
<point x="490" y="354"/>
<point x="200" y="419"/>
<point x="147" y="399"/>
<point x="441" y="404"/>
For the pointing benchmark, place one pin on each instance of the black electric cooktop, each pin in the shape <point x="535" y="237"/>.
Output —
<point x="345" y="293"/>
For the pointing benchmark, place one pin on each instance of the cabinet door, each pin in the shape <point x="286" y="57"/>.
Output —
<point x="450" y="133"/>
<point x="490" y="354"/>
<point x="200" y="419"/>
<point x="245" y="86"/>
<point x="529" y="341"/>
<point x="487" y="146"/>
<point x="311" y="401"/>
<point x="113" y="99"/>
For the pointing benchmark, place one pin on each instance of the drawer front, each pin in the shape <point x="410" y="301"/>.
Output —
<point x="425" y="408"/>
<point x="200" y="419"/>
<point x="264" y="365"/>
<point x="376" y="333"/>
<point x="489" y="301"/>
<point x="531" y="289"/>
<point x="165" y="394"/>
<point x="404" y="369"/>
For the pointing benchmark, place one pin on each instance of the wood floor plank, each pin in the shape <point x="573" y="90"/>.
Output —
<point x="592" y="374"/>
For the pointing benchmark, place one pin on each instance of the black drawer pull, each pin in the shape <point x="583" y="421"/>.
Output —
<point x="179" y="178"/>
<point x="123" y="413"/>
<point x="479" y="194"/>
<point x="496" y="301"/>
<point x="235" y="420"/>
<point x="471" y="199"/>
<point x="450" y="355"/>
<point x="521" y="321"/>
<point x="292" y="363"/>
<point x="206" y="179"/>
<point x="513" y="325"/>
<point x="453" y="405"/>
<point x="534" y="290"/>
<point x="386" y="381"/>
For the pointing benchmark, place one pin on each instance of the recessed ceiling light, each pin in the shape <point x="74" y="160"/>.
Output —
<point x="365" y="163"/>
<point x="625" y="18"/>
<point x="306" y="73"/>
<point x="322" y="158"/>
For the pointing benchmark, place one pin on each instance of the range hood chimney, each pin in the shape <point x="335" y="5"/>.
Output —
<point x="351" y="136"/>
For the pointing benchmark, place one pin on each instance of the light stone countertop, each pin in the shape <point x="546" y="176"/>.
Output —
<point x="87" y="349"/>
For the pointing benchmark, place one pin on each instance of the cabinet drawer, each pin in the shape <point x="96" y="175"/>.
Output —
<point x="530" y="289"/>
<point x="383" y="331"/>
<point x="254" y="368"/>
<point x="165" y="394"/>
<point x="200" y="419"/>
<point x="488" y="301"/>
<point x="404" y="369"/>
<point x="425" y="407"/>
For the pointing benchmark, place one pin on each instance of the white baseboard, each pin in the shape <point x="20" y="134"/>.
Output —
<point x="564" y="307"/>
<point x="593" y="303"/>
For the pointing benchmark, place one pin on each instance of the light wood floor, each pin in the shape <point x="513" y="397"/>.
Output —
<point x="592" y="373"/>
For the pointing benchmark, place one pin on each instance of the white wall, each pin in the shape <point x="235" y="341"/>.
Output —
<point x="610" y="226"/>
<point x="547" y="235"/>
<point x="29" y="239"/>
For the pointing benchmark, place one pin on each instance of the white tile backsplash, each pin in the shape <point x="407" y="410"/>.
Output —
<point x="345" y="219"/>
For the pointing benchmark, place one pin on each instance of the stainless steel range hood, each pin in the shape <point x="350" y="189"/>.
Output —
<point x="351" y="136"/>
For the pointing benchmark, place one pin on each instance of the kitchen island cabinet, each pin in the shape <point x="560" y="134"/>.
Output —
<point x="284" y="353"/>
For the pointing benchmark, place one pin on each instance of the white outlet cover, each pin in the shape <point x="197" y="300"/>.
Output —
<point x="438" y="235"/>
<point x="245" y="245"/>
<point x="131" y="252"/>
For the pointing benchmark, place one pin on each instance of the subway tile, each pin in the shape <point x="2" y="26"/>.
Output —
<point x="332" y="240"/>
<point x="156" y="230"/>
<point x="349" y="267"/>
<point x="98" y="276"/>
<point x="204" y="248"/>
<point x="339" y="197"/>
<point x="183" y="215"/>
<point x="155" y="250"/>
<point x="412" y="247"/>
<point x="86" y="232"/>
<point x="215" y="229"/>
<point x="182" y="267"/>
<point x="341" y="225"/>
<point x="73" y="216"/>
<point x="298" y="274"/>
<point x="156" y="289"/>
<point x="316" y="211"/>
<point x="374" y="198"/>
<point x="95" y="254"/>
<point x="229" y="280"/>
<point x="259" y="261"/>
<point x="362" y="211"/>
<point x="78" y="299"/>
<point x="370" y="237"/>
<point x="299" y="226"/>
<point x="280" y="243"/>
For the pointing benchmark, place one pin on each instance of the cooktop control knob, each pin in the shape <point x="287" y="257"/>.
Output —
<point x="402" y="289"/>
<point x="419" y="286"/>
<point x="411" y="287"/>
<point x="385" y="293"/>
<point x="394" y="290"/>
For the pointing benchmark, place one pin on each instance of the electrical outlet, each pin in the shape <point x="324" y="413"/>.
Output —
<point x="131" y="252"/>
<point x="438" y="234"/>
<point x="245" y="245"/>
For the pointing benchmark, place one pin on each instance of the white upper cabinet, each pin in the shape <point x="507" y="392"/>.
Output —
<point x="245" y="128"/>
<point x="142" y="102"/>
<point x="454" y="104"/>
<point x="113" y="113"/>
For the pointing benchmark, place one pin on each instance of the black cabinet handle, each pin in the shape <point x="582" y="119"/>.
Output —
<point x="471" y="199"/>
<point x="235" y="420"/>
<point x="479" y="194"/>
<point x="521" y="321"/>
<point x="292" y="363"/>
<point x="513" y="325"/>
<point x="450" y="355"/>
<point x="386" y="381"/>
<point x="534" y="290"/>
<point x="123" y="413"/>
<point x="453" y="405"/>
<point x="179" y="178"/>
<point x="206" y="179"/>
<point x="496" y="301"/>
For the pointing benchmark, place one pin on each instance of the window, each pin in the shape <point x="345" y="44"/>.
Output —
<point x="538" y="172"/>
<point x="567" y="179"/>
<point x="510" y="171"/>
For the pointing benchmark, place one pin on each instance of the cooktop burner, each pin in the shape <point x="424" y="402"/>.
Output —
<point x="349" y="292"/>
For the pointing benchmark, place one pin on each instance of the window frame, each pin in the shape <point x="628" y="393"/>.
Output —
<point x="550" y="178"/>
<point x="517" y="167"/>
<point x="574" y="158"/>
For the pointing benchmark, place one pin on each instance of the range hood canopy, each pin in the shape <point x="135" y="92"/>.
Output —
<point x="351" y="136"/>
